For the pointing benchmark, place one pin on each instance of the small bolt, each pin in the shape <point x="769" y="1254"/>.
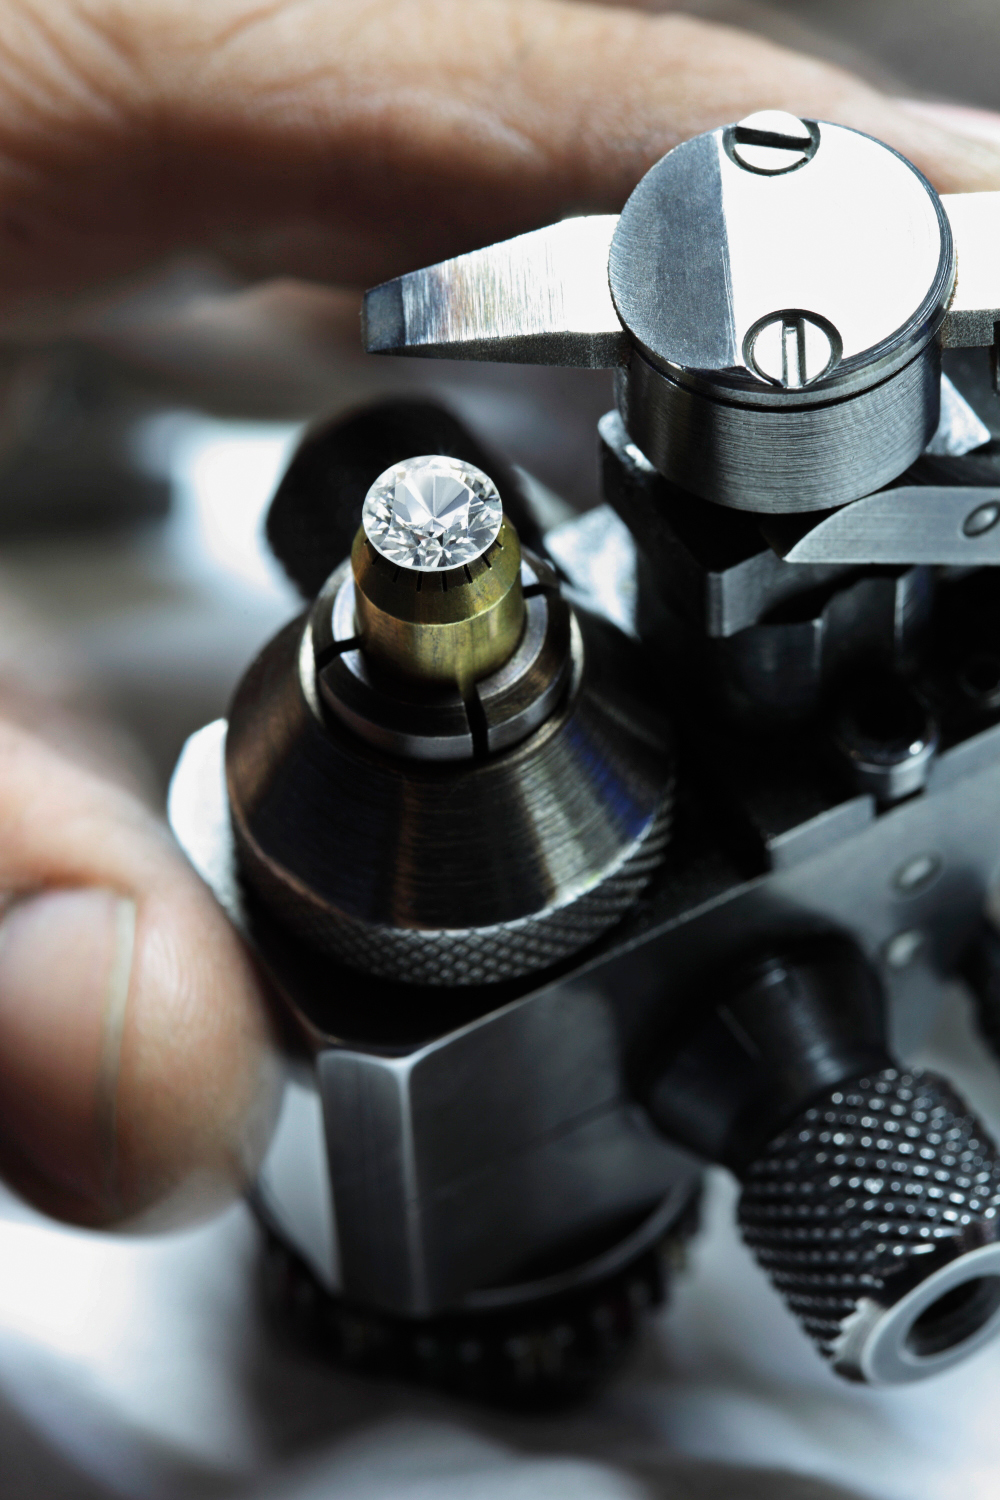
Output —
<point x="903" y="948"/>
<point x="771" y="142"/>
<point x="792" y="349"/>
<point x="982" y="519"/>
<point x="916" y="874"/>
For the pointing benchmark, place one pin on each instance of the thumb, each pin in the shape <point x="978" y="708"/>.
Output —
<point x="137" y="1079"/>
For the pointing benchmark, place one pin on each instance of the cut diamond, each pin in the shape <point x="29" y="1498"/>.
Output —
<point x="432" y="512"/>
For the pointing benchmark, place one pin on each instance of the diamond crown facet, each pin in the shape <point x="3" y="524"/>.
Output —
<point x="432" y="512"/>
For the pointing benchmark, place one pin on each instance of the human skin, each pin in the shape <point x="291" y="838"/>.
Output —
<point x="342" y="141"/>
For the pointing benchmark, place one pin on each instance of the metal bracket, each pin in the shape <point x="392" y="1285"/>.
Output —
<point x="948" y="525"/>
<point x="543" y="297"/>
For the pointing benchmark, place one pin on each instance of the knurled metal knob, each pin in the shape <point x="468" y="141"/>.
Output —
<point x="545" y="1352"/>
<point x="876" y="1213"/>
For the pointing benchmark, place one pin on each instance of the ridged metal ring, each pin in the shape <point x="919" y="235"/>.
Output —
<point x="460" y="873"/>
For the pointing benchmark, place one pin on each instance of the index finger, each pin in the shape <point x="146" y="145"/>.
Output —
<point x="348" y="141"/>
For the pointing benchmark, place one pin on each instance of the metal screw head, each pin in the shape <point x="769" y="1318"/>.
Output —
<point x="981" y="520"/>
<point x="886" y="734"/>
<point x="792" y="348"/>
<point x="772" y="142"/>
<point x="917" y="873"/>
<point x="902" y="949"/>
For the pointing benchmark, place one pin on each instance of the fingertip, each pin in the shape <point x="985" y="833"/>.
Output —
<point x="958" y="119"/>
<point x="64" y="958"/>
<point x="958" y="150"/>
<point x="138" y="1079"/>
<point x="199" y="1078"/>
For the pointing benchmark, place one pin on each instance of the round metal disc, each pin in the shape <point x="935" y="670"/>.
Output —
<point x="762" y="283"/>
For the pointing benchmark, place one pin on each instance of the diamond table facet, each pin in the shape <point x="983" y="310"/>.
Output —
<point x="432" y="513"/>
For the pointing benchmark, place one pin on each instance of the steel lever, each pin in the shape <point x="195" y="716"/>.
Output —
<point x="539" y="299"/>
<point x="939" y="524"/>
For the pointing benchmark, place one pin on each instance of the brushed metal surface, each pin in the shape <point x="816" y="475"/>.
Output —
<point x="797" y="458"/>
<point x="461" y="1165"/>
<point x="850" y="253"/>
<point x="541" y="298"/>
<point x="456" y="1170"/>
<point x="706" y="251"/>
<point x="953" y="526"/>
<point x="547" y="1071"/>
<point x="975" y="308"/>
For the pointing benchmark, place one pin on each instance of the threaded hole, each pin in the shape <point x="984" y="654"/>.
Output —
<point x="884" y="716"/>
<point x="980" y="678"/>
<point x="954" y="1317"/>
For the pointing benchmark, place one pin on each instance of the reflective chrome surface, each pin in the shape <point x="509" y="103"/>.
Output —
<point x="706" y="252"/>
<point x="808" y="272"/>
<point x="759" y="301"/>
<point x="541" y="298"/>
<point x="975" y="308"/>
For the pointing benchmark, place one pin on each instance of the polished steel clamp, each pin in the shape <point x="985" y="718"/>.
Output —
<point x="774" y="296"/>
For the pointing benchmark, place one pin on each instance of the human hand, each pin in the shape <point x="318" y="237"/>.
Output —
<point x="343" y="140"/>
<point x="137" y="1076"/>
<point x="349" y="140"/>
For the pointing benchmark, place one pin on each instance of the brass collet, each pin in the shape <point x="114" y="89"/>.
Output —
<point x="447" y="627"/>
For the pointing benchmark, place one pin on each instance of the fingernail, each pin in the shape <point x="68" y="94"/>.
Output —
<point x="977" y="124"/>
<point x="65" y="963"/>
<point x="958" y="149"/>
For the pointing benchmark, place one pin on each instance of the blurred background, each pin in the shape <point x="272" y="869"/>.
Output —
<point x="141" y="438"/>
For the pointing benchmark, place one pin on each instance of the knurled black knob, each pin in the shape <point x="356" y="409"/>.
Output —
<point x="876" y="1214"/>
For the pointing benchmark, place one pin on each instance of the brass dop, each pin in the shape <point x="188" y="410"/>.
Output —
<point x="446" y="627"/>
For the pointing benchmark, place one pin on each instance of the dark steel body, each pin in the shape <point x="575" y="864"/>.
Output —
<point x="794" y="458"/>
<point x="456" y="874"/>
<point x="835" y="689"/>
<point x="471" y="1142"/>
